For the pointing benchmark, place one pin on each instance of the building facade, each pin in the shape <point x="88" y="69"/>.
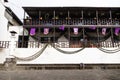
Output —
<point x="66" y="35"/>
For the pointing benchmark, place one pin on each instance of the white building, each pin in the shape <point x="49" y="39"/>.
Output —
<point x="42" y="30"/>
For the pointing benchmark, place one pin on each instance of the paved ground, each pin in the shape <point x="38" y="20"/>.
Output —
<point x="95" y="74"/>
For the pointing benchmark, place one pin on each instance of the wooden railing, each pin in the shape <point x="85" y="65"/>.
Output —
<point x="4" y="44"/>
<point x="75" y="21"/>
<point x="63" y="44"/>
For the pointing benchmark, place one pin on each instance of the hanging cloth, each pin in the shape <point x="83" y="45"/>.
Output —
<point x="62" y="28"/>
<point x="32" y="31"/>
<point x="117" y="31"/>
<point x="75" y="30"/>
<point x="92" y="27"/>
<point x="46" y="30"/>
<point x="103" y="31"/>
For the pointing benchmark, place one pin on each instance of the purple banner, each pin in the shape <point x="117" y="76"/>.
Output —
<point x="117" y="31"/>
<point x="75" y="30"/>
<point x="92" y="27"/>
<point x="46" y="30"/>
<point x="103" y="31"/>
<point x="32" y="31"/>
<point x="62" y="28"/>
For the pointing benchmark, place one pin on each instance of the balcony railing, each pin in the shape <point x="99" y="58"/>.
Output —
<point x="4" y="44"/>
<point x="34" y="44"/>
<point x="76" y="21"/>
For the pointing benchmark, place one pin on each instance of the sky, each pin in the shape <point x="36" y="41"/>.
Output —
<point x="98" y="3"/>
<point x="16" y="5"/>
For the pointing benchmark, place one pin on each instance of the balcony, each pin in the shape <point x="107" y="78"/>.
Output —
<point x="63" y="44"/>
<point x="75" y="21"/>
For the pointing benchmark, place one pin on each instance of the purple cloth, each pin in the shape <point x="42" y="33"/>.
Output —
<point x="92" y="27"/>
<point x="46" y="30"/>
<point x="75" y="30"/>
<point x="62" y="28"/>
<point x="117" y="31"/>
<point x="32" y="31"/>
<point x="103" y="31"/>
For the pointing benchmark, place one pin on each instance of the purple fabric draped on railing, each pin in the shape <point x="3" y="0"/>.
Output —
<point x="92" y="27"/>
<point x="75" y="30"/>
<point x="104" y="31"/>
<point x="32" y="31"/>
<point x="62" y="28"/>
<point x="46" y="30"/>
<point x="117" y="31"/>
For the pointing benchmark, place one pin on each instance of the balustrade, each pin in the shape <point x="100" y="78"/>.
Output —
<point x="72" y="22"/>
<point x="63" y="44"/>
<point x="4" y="44"/>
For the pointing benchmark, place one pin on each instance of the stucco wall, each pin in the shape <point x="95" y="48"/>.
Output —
<point x="52" y="56"/>
<point x="4" y="34"/>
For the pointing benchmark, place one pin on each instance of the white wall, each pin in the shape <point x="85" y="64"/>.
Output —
<point x="52" y="56"/>
<point x="4" y="34"/>
<point x="4" y="18"/>
<point x="3" y="55"/>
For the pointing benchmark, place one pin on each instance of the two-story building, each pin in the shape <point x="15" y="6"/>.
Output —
<point x="65" y="35"/>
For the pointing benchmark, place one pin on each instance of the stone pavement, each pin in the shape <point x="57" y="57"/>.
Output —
<point x="92" y="74"/>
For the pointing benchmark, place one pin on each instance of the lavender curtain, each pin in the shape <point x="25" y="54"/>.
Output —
<point x="46" y="30"/>
<point x="92" y="27"/>
<point x="32" y="31"/>
<point x="104" y="31"/>
<point x="117" y="31"/>
<point x="62" y="28"/>
<point x="75" y="30"/>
